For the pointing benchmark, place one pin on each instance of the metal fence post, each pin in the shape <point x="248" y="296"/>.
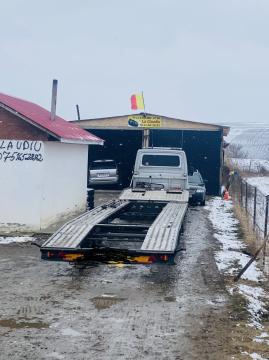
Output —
<point x="241" y="192"/>
<point x="266" y="216"/>
<point x="246" y="200"/>
<point x="254" y="212"/>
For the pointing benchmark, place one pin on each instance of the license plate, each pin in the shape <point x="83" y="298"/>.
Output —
<point x="103" y="175"/>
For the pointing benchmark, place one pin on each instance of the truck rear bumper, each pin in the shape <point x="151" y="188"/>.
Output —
<point x="107" y="256"/>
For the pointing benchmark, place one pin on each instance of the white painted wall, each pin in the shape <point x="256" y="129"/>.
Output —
<point x="41" y="183"/>
<point x="21" y="177"/>
<point x="64" y="190"/>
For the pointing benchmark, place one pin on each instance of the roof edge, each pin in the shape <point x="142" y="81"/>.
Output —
<point x="141" y="113"/>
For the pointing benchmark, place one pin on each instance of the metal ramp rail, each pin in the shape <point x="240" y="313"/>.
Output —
<point x="70" y="235"/>
<point x="162" y="236"/>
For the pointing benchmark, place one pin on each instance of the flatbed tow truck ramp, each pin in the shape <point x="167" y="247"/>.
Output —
<point x="129" y="231"/>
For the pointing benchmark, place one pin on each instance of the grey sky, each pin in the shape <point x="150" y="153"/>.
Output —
<point x="199" y="60"/>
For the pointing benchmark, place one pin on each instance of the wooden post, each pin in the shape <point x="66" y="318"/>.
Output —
<point x="145" y="138"/>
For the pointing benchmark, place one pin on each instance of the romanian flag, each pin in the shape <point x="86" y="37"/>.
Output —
<point x="137" y="102"/>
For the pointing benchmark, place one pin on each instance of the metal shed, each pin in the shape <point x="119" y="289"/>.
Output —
<point x="124" y="135"/>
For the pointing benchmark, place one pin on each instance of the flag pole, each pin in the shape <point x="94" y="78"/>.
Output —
<point x="143" y="102"/>
<point x="146" y="130"/>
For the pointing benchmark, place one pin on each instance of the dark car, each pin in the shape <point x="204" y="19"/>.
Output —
<point x="197" y="189"/>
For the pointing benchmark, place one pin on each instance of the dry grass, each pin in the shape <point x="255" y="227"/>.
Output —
<point x="252" y="240"/>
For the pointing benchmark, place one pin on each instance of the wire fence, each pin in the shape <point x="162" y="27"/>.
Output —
<point x="255" y="203"/>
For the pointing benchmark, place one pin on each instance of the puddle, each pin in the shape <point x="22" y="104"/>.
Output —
<point x="13" y="324"/>
<point x="106" y="301"/>
<point x="170" y="299"/>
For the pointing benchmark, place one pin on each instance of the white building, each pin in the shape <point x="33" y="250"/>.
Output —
<point x="43" y="167"/>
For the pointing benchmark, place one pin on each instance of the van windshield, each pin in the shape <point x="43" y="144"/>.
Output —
<point x="161" y="160"/>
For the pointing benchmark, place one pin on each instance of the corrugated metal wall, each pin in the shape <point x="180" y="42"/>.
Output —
<point x="203" y="149"/>
<point x="121" y="146"/>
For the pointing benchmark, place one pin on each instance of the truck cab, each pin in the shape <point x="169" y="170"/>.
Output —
<point x="160" y="169"/>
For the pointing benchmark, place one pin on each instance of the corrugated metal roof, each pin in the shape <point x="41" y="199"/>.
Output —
<point x="63" y="130"/>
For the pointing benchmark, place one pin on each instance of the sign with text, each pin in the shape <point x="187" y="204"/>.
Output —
<point x="21" y="150"/>
<point x="147" y="121"/>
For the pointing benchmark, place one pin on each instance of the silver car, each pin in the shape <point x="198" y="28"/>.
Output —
<point x="103" y="172"/>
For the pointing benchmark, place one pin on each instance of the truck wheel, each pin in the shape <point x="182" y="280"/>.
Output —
<point x="203" y="203"/>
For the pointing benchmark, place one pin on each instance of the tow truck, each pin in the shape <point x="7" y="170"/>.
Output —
<point x="142" y="226"/>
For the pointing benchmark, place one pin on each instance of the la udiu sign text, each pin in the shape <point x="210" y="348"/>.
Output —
<point x="20" y="150"/>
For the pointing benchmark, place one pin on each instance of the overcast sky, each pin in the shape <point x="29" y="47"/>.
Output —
<point x="202" y="60"/>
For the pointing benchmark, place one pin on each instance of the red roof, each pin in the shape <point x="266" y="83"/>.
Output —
<point x="63" y="130"/>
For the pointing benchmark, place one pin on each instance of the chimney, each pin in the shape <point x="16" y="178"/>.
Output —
<point x="78" y="113"/>
<point x="53" y="99"/>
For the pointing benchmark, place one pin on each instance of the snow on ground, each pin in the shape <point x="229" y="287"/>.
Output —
<point x="15" y="239"/>
<point x="230" y="258"/>
<point x="254" y="356"/>
<point x="255" y="306"/>
<point x="261" y="182"/>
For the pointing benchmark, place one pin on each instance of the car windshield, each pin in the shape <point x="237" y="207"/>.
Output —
<point x="161" y="160"/>
<point x="195" y="178"/>
<point x="106" y="164"/>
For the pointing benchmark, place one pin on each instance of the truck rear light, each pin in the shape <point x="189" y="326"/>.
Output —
<point x="164" y="257"/>
<point x="73" y="257"/>
<point x="64" y="256"/>
<point x="51" y="254"/>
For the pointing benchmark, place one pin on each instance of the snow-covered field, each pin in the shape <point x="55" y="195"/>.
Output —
<point x="253" y="139"/>
<point x="261" y="182"/>
<point x="230" y="259"/>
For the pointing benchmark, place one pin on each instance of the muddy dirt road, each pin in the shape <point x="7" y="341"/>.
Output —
<point x="57" y="311"/>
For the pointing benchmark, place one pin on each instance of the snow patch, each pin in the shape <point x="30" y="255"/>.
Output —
<point x="230" y="258"/>
<point x="70" y="332"/>
<point x="262" y="338"/>
<point x="255" y="306"/>
<point x="254" y="356"/>
<point x="15" y="239"/>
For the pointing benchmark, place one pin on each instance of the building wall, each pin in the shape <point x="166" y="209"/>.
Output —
<point x="12" y="127"/>
<point x="42" y="184"/>
<point x="21" y="177"/>
<point x="64" y="190"/>
<point x="203" y="150"/>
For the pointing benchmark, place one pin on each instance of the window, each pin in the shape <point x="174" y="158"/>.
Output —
<point x="161" y="160"/>
<point x="103" y="164"/>
<point x="195" y="178"/>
